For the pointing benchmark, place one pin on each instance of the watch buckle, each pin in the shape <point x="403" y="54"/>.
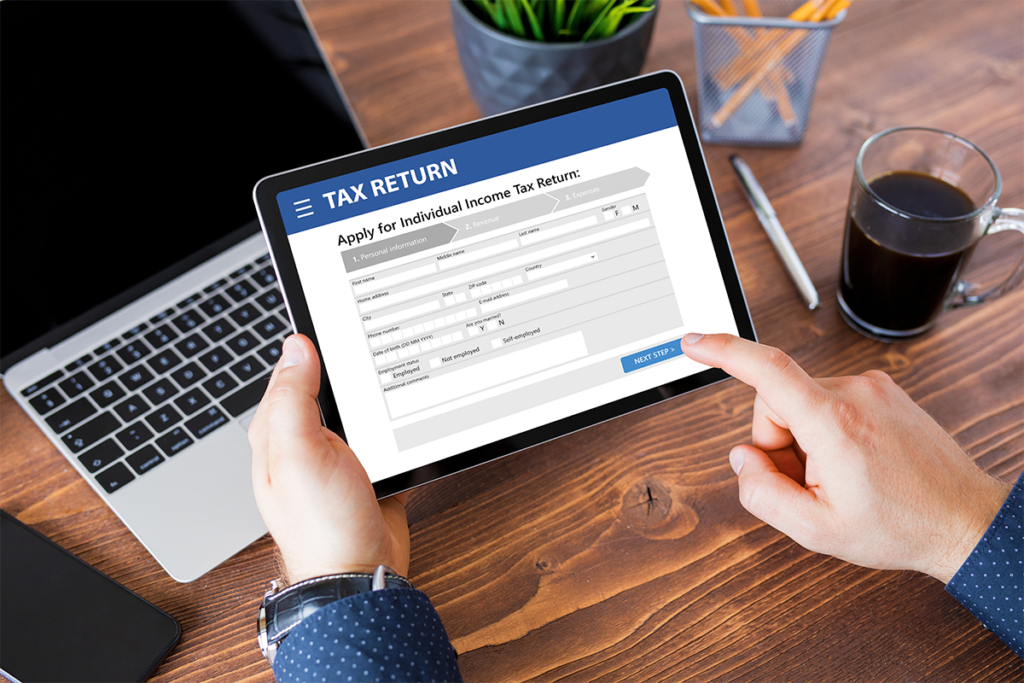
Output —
<point x="379" y="576"/>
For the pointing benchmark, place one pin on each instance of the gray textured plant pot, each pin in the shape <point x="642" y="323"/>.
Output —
<point x="505" y="72"/>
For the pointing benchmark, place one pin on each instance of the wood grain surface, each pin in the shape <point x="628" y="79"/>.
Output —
<point x="621" y="553"/>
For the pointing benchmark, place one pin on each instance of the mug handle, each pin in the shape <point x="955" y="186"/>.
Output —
<point x="1006" y="219"/>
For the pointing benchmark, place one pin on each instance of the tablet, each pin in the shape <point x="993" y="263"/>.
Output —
<point x="488" y="287"/>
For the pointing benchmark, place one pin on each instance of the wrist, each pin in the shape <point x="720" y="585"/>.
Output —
<point x="301" y="566"/>
<point x="978" y="513"/>
<point x="308" y="572"/>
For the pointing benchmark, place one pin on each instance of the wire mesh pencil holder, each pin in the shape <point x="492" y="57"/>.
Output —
<point x="756" y="76"/>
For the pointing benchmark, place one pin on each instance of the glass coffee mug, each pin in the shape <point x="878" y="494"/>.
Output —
<point x="921" y="201"/>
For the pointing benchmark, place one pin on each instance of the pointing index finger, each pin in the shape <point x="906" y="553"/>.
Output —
<point x="782" y="384"/>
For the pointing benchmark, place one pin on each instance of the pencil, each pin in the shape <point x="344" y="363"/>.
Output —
<point x="775" y="54"/>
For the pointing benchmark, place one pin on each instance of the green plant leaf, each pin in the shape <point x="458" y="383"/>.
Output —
<point x="575" y="14"/>
<point x="538" y="33"/>
<point x="541" y="8"/>
<point x="559" y="20"/>
<point x="594" y="9"/>
<point x="613" y="22"/>
<point x="515" y="22"/>
<point x="500" y="22"/>
<point x="487" y="8"/>
<point x="589" y="33"/>
<point x="558" y="17"/>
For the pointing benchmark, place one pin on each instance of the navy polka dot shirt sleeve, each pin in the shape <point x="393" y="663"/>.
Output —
<point x="387" y="635"/>
<point x="989" y="583"/>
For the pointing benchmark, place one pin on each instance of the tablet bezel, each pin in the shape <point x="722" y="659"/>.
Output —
<point x="265" y="195"/>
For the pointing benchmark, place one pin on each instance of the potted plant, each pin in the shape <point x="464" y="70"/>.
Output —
<point x="520" y="52"/>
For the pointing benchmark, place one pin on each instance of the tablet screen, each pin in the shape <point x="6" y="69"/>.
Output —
<point x="483" y="289"/>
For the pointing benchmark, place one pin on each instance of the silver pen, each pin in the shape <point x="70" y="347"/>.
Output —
<point x="766" y="214"/>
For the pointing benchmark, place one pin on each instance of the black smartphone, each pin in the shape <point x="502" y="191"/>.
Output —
<point x="63" y="620"/>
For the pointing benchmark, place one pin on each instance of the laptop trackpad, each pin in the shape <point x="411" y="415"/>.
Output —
<point x="196" y="508"/>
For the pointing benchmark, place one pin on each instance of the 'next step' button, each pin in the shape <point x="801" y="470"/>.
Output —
<point x="636" y="361"/>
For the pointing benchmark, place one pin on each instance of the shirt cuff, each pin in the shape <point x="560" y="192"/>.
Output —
<point x="393" y="634"/>
<point x="989" y="582"/>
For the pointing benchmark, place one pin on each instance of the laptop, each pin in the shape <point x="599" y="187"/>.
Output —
<point x="140" y="316"/>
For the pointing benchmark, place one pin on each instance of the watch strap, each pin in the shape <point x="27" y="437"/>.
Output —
<point x="282" y="611"/>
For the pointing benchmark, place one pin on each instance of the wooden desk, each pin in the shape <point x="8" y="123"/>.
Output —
<point x="621" y="553"/>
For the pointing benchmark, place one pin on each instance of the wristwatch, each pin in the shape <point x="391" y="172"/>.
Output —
<point x="283" y="610"/>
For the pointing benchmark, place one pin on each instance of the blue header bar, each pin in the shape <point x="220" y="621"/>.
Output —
<point x="379" y="187"/>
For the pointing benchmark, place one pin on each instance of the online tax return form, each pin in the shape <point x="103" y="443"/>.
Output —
<point x="499" y="284"/>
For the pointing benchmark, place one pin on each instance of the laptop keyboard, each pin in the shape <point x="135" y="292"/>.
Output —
<point x="169" y="382"/>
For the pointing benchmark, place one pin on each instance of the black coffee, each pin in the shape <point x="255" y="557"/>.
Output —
<point x="903" y="288"/>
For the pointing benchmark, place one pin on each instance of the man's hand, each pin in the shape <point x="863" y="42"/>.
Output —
<point x="851" y="466"/>
<point x="311" y="490"/>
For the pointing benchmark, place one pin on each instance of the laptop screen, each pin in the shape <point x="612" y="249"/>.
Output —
<point x="133" y="134"/>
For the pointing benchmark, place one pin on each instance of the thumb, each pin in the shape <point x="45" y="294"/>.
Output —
<point x="291" y="396"/>
<point x="298" y="352"/>
<point x="289" y="410"/>
<point x="774" y="497"/>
